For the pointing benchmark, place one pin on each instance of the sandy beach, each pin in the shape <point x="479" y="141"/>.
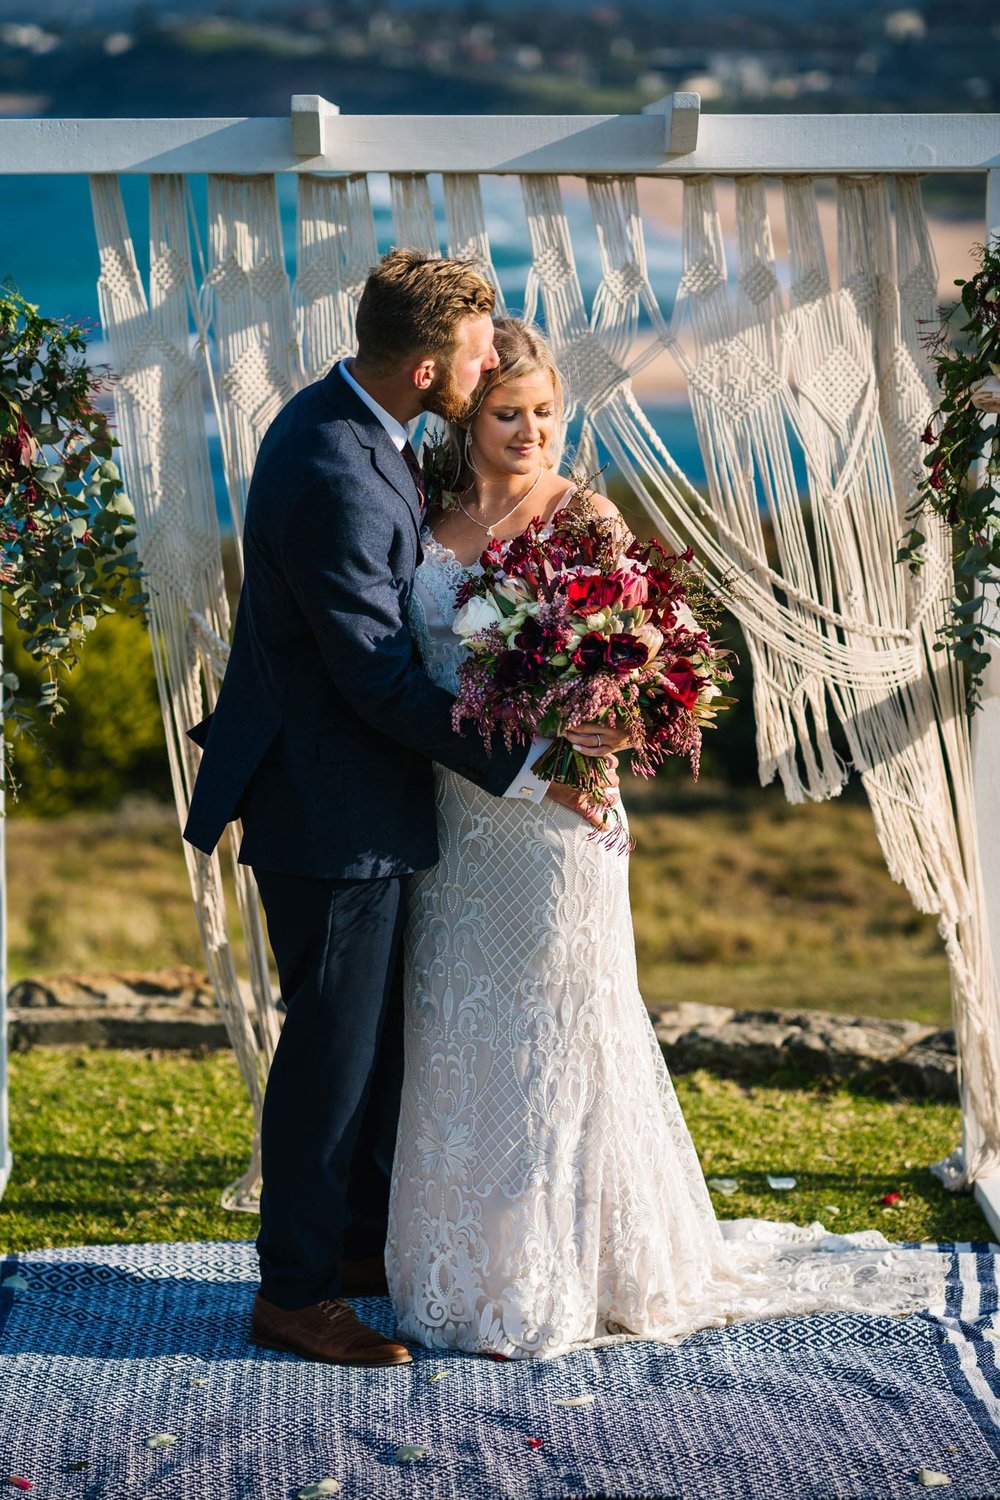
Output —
<point x="661" y="382"/>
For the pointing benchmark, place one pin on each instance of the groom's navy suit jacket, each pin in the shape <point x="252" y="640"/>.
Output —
<point x="326" y="725"/>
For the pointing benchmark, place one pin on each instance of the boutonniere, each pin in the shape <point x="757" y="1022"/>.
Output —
<point x="441" y="466"/>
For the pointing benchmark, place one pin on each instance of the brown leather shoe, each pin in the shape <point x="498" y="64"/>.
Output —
<point x="326" y="1331"/>
<point x="364" y="1278"/>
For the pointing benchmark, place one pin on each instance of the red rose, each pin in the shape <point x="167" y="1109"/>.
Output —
<point x="682" y="682"/>
<point x="589" y="594"/>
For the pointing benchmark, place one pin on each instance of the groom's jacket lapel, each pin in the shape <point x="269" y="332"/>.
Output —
<point x="385" y="457"/>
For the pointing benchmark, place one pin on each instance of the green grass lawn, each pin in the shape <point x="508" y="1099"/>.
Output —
<point x="129" y="1146"/>
<point x="738" y="898"/>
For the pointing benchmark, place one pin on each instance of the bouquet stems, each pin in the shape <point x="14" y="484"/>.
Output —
<point x="564" y="764"/>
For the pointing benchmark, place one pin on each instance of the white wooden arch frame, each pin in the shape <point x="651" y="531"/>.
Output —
<point x="669" y="138"/>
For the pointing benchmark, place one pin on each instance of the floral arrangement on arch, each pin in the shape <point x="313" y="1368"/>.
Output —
<point x="958" y="438"/>
<point x="67" y="527"/>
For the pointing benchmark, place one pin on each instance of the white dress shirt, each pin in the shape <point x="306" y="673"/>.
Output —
<point x="526" y="784"/>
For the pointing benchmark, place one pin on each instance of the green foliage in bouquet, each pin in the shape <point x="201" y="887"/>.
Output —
<point x="958" y="437"/>
<point x="66" y="526"/>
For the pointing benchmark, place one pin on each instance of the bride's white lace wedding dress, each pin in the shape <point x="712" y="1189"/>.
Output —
<point x="546" y="1192"/>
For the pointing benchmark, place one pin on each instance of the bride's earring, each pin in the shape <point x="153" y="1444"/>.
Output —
<point x="468" y="454"/>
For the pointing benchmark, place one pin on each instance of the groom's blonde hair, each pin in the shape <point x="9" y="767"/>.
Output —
<point x="413" y="305"/>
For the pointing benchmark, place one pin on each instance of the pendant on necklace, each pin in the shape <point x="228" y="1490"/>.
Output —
<point x="489" y="531"/>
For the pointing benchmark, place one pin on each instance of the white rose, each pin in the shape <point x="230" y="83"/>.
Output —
<point x="478" y="614"/>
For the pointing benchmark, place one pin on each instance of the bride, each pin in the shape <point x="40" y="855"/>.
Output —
<point x="546" y="1192"/>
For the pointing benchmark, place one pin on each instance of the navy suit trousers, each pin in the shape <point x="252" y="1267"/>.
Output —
<point x="331" y="1106"/>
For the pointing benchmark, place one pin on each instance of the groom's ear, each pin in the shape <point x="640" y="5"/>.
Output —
<point x="424" y="374"/>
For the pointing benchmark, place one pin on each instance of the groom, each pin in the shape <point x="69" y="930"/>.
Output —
<point x="321" y="742"/>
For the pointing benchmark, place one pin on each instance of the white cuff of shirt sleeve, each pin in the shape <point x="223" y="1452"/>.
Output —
<point x="526" y="785"/>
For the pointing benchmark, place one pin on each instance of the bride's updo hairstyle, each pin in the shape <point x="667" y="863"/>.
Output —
<point x="522" y="350"/>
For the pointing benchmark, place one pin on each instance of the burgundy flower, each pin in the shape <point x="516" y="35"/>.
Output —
<point x="682" y="682"/>
<point x="589" y="594"/>
<point x="624" y="653"/>
<point x="517" y="667"/>
<point x="548" y="639"/>
<point x="621" y="653"/>
<point x="24" y="439"/>
<point x="662" y="584"/>
<point x="589" y="654"/>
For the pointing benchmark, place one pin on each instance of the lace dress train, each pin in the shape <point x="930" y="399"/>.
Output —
<point x="546" y="1192"/>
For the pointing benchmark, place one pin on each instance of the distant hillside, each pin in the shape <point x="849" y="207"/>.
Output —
<point x="125" y="10"/>
<point x="247" y="57"/>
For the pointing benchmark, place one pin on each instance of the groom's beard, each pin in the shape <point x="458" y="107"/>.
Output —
<point x="446" y="400"/>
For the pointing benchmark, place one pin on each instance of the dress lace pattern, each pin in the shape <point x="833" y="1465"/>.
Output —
<point x="546" y="1191"/>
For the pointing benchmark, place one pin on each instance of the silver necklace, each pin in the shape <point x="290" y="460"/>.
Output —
<point x="490" y="529"/>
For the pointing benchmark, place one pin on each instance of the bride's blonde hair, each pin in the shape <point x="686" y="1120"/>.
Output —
<point x="522" y="350"/>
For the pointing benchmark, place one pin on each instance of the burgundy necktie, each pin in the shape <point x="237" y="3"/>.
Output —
<point x="416" y="473"/>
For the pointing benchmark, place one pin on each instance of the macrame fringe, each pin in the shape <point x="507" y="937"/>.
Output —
<point x="832" y="373"/>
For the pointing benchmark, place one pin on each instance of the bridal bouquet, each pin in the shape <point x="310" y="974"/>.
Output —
<point x="563" y="627"/>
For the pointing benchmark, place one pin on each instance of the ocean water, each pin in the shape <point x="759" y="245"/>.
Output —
<point x="48" y="251"/>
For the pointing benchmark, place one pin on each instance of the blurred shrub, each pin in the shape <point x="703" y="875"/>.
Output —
<point x="109" y="743"/>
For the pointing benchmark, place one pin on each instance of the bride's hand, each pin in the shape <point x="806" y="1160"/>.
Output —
<point x="598" y="739"/>
<point x="578" y="801"/>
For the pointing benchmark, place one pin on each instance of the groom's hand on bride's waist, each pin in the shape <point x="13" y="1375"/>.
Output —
<point x="577" y="801"/>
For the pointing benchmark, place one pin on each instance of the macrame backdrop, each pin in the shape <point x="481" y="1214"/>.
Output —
<point x="830" y="372"/>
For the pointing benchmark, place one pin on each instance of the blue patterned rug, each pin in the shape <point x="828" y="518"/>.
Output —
<point x="105" y="1348"/>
